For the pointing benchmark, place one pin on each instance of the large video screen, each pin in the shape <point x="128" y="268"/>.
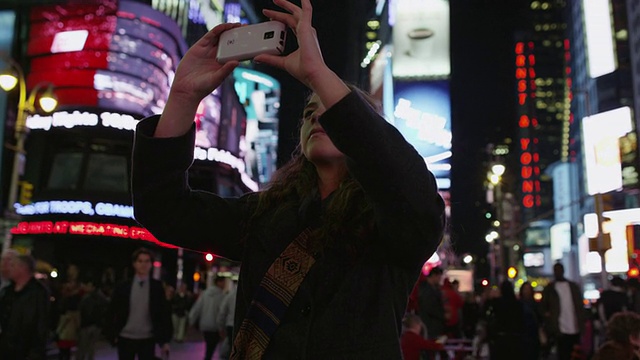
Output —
<point x="120" y="55"/>
<point x="422" y="113"/>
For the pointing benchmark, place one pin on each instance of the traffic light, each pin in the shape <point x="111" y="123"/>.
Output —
<point x="512" y="272"/>
<point x="209" y="257"/>
<point x="26" y="192"/>
<point x="484" y="282"/>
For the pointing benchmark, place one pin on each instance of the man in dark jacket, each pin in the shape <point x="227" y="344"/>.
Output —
<point x="139" y="314"/>
<point x="563" y="313"/>
<point x="24" y="313"/>
<point x="431" y="304"/>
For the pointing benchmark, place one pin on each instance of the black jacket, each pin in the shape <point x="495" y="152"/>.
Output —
<point x="159" y="310"/>
<point x="24" y="320"/>
<point x="347" y="307"/>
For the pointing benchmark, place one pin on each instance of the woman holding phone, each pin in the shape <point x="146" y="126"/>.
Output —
<point x="330" y="250"/>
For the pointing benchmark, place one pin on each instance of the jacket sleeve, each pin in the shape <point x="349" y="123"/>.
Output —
<point x="165" y="204"/>
<point x="409" y="212"/>
<point x="40" y="337"/>
<point x="194" y="313"/>
<point x="166" y="332"/>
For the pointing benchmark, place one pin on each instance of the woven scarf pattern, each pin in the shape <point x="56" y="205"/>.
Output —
<point x="272" y="299"/>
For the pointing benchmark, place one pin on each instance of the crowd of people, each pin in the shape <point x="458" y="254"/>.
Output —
<point x="137" y="316"/>
<point x="498" y="323"/>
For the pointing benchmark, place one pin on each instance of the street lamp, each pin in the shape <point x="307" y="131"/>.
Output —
<point x="26" y="105"/>
<point x="494" y="176"/>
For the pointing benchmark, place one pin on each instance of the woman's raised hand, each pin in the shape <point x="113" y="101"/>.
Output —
<point x="198" y="74"/>
<point x="306" y="62"/>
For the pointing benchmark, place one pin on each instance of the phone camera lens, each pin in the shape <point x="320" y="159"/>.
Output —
<point x="269" y="35"/>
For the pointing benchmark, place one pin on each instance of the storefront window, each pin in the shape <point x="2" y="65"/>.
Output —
<point x="65" y="171"/>
<point x="106" y="172"/>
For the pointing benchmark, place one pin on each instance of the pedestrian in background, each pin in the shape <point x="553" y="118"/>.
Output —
<point x="431" y="304"/>
<point x="93" y="309"/>
<point x="204" y="315"/>
<point x="7" y="257"/>
<point x="412" y="339"/>
<point x="623" y="338"/>
<point x="180" y="305"/>
<point x="24" y="313"/>
<point x="563" y="313"/>
<point x="505" y="324"/>
<point x="531" y="313"/>
<point x="613" y="300"/>
<point x="69" y="315"/>
<point x="139" y="315"/>
<point x="453" y="304"/>
<point x="226" y="318"/>
<point x="633" y="294"/>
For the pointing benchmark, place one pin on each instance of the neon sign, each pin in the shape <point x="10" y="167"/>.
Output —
<point x="64" y="119"/>
<point x="75" y="207"/>
<point x="86" y="229"/>
<point x="529" y="157"/>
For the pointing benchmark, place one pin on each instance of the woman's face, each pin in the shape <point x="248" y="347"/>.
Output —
<point x="316" y="145"/>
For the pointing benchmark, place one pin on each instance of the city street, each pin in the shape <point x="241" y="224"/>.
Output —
<point x="192" y="348"/>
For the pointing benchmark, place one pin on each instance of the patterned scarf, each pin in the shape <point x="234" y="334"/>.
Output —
<point x="277" y="288"/>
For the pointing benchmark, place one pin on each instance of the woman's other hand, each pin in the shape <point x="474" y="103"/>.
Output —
<point x="306" y="63"/>
<point x="198" y="74"/>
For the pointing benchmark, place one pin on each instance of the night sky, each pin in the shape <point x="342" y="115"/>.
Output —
<point x="483" y="105"/>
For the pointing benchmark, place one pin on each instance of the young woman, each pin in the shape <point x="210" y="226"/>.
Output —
<point x="331" y="249"/>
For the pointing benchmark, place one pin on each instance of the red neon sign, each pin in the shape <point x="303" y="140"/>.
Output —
<point x="525" y="61"/>
<point x="86" y="229"/>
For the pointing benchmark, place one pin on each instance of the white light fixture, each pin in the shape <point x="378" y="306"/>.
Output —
<point x="498" y="169"/>
<point x="48" y="101"/>
<point x="8" y="81"/>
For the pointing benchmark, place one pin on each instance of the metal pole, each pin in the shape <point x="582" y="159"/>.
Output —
<point x="20" y="135"/>
<point x="501" y="244"/>
<point x="603" y="271"/>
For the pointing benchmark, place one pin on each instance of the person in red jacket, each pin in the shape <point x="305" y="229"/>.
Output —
<point x="452" y="306"/>
<point x="412" y="341"/>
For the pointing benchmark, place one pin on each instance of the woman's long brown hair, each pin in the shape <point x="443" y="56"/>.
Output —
<point x="348" y="216"/>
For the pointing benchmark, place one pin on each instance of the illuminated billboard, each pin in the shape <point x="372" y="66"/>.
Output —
<point x="421" y="39"/>
<point x="600" y="45"/>
<point x="617" y="257"/>
<point x="117" y="55"/>
<point x="233" y="119"/>
<point x="600" y="137"/>
<point x="260" y="93"/>
<point x="422" y="113"/>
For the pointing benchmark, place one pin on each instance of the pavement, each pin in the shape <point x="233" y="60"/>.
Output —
<point x="186" y="350"/>
<point x="192" y="347"/>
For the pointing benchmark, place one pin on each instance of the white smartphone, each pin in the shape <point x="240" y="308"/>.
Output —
<point x="245" y="42"/>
